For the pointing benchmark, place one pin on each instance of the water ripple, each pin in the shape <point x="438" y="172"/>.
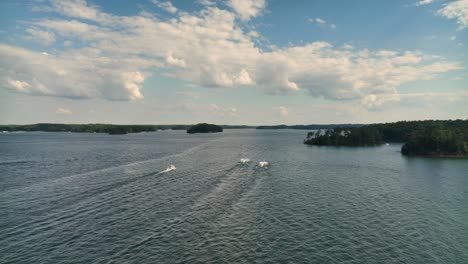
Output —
<point x="312" y="205"/>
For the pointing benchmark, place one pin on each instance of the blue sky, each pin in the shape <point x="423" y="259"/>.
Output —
<point x="232" y="62"/>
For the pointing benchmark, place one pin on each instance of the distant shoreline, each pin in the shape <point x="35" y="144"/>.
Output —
<point x="127" y="129"/>
<point x="309" y="127"/>
<point x="101" y="128"/>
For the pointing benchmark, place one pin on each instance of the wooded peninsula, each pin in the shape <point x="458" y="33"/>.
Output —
<point x="447" y="138"/>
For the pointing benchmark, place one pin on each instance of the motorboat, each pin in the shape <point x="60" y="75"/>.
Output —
<point x="171" y="168"/>
<point x="263" y="163"/>
<point x="244" y="161"/>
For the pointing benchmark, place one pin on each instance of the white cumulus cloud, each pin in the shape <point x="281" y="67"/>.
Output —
<point x="320" y="21"/>
<point x="376" y="101"/>
<point x="206" y="2"/>
<point x="18" y="85"/>
<point x="63" y="111"/>
<point x="83" y="73"/>
<point x="112" y="56"/>
<point x="246" y="9"/>
<point x="456" y="10"/>
<point x="166" y="5"/>
<point x="423" y="2"/>
<point x="43" y="37"/>
<point x="75" y="8"/>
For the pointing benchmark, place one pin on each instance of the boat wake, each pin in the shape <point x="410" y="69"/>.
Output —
<point x="170" y="168"/>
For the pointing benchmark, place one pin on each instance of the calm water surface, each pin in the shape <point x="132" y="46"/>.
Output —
<point x="90" y="198"/>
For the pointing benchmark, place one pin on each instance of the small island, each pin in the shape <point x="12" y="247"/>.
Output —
<point x="204" y="128"/>
<point x="439" y="138"/>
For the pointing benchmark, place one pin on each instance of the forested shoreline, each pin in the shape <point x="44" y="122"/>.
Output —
<point x="100" y="128"/>
<point x="429" y="137"/>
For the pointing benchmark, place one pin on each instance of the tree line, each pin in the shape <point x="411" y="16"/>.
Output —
<point x="309" y="127"/>
<point x="429" y="137"/>
<point x="101" y="128"/>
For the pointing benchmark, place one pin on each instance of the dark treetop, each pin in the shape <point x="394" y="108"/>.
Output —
<point x="430" y="137"/>
<point x="204" y="128"/>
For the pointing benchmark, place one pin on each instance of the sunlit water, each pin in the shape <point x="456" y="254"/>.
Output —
<point x="90" y="198"/>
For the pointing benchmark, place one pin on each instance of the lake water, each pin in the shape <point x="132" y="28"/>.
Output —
<point x="91" y="198"/>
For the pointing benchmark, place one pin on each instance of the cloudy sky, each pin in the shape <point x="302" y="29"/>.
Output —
<point x="232" y="62"/>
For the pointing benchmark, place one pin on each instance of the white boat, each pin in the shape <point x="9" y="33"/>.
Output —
<point x="244" y="161"/>
<point x="171" y="168"/>
<point x="263" y="163"/>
